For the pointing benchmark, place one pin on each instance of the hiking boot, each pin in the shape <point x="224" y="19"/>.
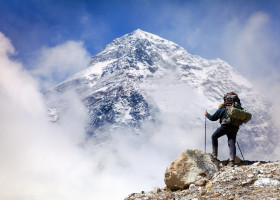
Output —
<point x="215" y="153"/>
<point x="214" y="156"/>
<point x="231" y="163"/>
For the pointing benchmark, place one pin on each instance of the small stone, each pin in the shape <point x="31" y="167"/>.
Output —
<point x="208" y="185"/>
<point x="250" y="181"/>
<point x="203" y="192"/>
<point x="229" y="187"/>
<point x="257" y="164"/>
<point x="256" y="172"/>
<point x="192" y="186"/>
<point x="273" y="169"/>
<point x="261" y="176"/>
<point x="133" y="194"/>
<point x="201" y="182"/>
<point x="216" y="194"/>
<point x="250" y="175"/>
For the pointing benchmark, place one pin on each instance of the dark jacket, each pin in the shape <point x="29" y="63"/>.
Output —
<point x="219" y="114"/>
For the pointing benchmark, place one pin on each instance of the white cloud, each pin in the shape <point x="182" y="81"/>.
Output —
<point x="49" y="161"/>
<point x="251" y="48"/>
<point x="40" y="160"/>
<point x="20" y="90"/>
<point x="37" y="156"/>
<point x="55" y="64"/>
<point x="5" y="46"/>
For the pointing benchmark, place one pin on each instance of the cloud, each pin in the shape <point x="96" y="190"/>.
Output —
<point x="11" y="85"/>
<point x="33" y="151"/>
<point x="250" y="47"/>
<point x="5" y="46"/>
<point x="57" y="161"/>
<point x="55" y="64"/>
<point x="180" y="121"/>
<point x="41" y="160"/>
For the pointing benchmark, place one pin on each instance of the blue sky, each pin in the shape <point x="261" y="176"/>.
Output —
<point x="211" y="29"/>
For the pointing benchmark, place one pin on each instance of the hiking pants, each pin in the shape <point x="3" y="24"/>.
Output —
<point x="231" y="132"/>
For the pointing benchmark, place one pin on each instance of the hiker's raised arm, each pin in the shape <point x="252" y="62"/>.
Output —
<point x="214" y="117"/>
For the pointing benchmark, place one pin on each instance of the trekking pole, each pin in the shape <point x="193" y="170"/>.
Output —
<point x="205" y="136"/>
<point x="240" y="150"/>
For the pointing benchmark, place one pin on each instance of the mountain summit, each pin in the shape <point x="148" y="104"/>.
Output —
<point x="115" y="88"/>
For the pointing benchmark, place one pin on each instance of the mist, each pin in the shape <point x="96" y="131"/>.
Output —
<point x="53" y="65"/>
<point x="45" y="160"/>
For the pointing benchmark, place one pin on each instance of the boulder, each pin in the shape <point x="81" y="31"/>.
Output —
<point x="190" y="167"/>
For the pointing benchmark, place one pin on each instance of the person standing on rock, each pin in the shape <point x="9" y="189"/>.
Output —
<point x="225" y="129"/>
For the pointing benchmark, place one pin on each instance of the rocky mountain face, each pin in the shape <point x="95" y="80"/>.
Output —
<point x="114" y="88"/>
<point x="194" y="175"/>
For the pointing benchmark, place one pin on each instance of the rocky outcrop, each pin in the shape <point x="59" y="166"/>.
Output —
<point x="190" y="167"/>
<point x="246" y="180"/>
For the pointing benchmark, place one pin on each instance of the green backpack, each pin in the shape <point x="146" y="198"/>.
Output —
<point x="235" y="113"/>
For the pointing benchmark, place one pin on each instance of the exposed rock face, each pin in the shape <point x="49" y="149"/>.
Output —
<point x="191" y="167"/>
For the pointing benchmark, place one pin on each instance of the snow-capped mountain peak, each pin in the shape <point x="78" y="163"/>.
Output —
<point x="111" y="87"/>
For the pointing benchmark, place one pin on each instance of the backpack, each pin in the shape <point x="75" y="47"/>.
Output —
<point x="235" y="115"/>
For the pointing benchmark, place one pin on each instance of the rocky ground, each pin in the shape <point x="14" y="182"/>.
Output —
<point x="247" y="180"/>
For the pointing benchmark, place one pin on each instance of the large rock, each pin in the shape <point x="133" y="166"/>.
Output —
<point x="190" y="167"/>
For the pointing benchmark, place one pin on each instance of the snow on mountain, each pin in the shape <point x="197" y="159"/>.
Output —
<point x="114" y="87"/>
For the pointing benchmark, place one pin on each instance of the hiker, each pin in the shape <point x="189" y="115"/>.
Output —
<point x="225" y="129"/>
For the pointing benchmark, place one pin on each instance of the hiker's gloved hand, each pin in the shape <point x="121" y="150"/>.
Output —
<point x="205" y="113"/>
